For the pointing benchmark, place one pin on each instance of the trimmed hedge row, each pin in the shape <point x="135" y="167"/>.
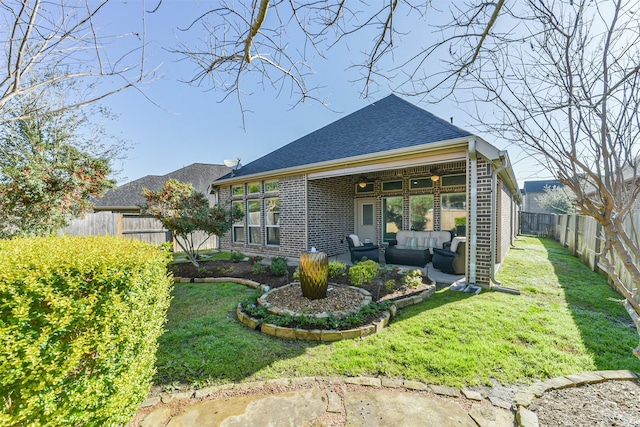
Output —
<point x="79" y="322"/>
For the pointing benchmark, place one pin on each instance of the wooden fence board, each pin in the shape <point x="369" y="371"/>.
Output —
<point x="130" y="226"/>
<point x="582" y="236"/>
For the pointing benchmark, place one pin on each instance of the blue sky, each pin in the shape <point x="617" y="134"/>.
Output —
<point x="191" y="124"/>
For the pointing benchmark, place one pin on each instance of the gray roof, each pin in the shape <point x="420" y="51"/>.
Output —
<point x="538" y="186"/>
<point x="199" y="175"/>
<point x="388" y="124"/>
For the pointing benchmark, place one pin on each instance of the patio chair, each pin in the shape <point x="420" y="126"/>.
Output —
<point x="451" y="261"/>
<point x="361" y="250"/>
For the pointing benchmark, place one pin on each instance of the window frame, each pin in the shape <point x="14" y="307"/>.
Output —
<point x="239" y="225"/>
<point x="271" y="227"/>
<point x="384" y="232"/>
<point x="251" y="226"/>
<point x="413" y="197"/>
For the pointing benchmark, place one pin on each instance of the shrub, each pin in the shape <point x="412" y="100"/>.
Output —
<point x="363" y="272"/>
<point x="337" y="269"/>
<point x="412" y="279"/>
<point x="390" y="285"/>
<point x="79" y="322"/>
<point x="236" y="256"/>
<point x="279" y="266"/>
<point x="258" y="268"/>
<point x="296" y="274"/>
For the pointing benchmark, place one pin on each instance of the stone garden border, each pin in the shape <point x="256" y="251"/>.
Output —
<point x="524" y="398"/>
<point x="313" y="335"/>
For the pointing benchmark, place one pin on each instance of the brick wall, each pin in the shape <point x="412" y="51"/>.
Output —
<point x="293" y="237"/>
<point x="483" y="257"/>
<point x="331" y="213"/>
<point x="504" y="222"/>
<point x="293" y="216"/>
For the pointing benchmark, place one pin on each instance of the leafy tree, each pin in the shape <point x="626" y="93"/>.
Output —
<point x="184" y="211"/>
<point x="50" y="168"/>
<point x="564" y="84"/>
<point x="555" y="199"/>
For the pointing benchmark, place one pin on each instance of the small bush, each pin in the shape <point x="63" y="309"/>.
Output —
<point x="296" y="274"/>
<point x="236" y="256"/>
<point x="363" y="272"/>
<point x="79" y="322"/>
<point x="337" y="269"/>
<point x="390" y="285"/>
<point x="412" y="279"/>
<point x="258" y="268"/>
<point x="279" y="266"/>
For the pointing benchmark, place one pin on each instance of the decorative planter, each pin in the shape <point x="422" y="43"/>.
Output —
<point x="314" y="274"/>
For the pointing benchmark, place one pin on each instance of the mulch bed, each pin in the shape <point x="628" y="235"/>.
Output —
<point x="263" y="275"/>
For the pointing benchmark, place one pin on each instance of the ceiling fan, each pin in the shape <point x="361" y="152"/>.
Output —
<point x="436" y="173"/>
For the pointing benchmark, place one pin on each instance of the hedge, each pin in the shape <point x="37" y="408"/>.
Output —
<point x="79" y="323"/>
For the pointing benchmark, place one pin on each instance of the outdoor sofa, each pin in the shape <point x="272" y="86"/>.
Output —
<point x="416" y="247"/>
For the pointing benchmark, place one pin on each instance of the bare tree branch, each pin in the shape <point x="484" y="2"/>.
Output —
<point x="50" y="43"/>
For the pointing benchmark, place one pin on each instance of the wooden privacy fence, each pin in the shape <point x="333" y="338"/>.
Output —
<point x="539" y="224"/>
<point x="130" y="226"/>
<point x="582" y="236"/>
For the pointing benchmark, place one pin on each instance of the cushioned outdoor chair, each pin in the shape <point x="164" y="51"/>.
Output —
<point x="451" y="261"/>
<point x="359" y="250"/>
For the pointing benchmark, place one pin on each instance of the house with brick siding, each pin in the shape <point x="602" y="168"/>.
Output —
<point x="387" y="167"/>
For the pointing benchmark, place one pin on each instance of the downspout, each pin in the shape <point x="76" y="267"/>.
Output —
<point x="473" y="212"/>
<point x="494" y="217"/>
<point x="494" y="284"/>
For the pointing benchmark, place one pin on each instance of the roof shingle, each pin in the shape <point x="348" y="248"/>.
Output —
<point x="199" y="175"/>
<point x="388" y="124"/>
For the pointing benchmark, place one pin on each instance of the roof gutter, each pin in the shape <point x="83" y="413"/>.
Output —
<point x="116" y="208"/>
<point x="349" y="161"/>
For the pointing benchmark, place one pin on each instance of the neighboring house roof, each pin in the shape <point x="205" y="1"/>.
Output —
<point x="388" y="124"/>
<point x="538" y="186"/>
<point x="198" y="174"/>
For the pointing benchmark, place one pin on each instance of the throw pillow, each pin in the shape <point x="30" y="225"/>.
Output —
<point x="433" y="242"/>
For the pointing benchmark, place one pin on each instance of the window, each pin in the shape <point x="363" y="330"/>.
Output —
<point x="271" y="186"/>
<point x="238" y="227"/>
<point x="253" y="221"/>
<point x="367" y="214"/>
<point x="419" y="183"/>
<point x="272" y="210"/>
<point x="421" y="212"/>
<point x="392" y="186"/>
<point x="391" y="217"/>
<point x="253" y="188"/>
<point x="453" y="180"/>
<point x="454" y="205"/>
<point x="237" y="190"/>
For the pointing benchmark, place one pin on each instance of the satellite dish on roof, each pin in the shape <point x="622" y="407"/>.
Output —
<point x="233" y="164"/>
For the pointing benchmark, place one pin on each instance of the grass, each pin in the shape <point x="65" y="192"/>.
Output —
<point x="562" y="323"/>
<point x="205" y="255"/>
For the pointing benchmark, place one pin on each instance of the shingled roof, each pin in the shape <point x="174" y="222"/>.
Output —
<point x="538" y="186"/>
<point x="388" y="124"/>
<point x="199" y="175"/>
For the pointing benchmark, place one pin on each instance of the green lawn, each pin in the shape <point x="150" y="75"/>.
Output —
<point x="561" y="323"/>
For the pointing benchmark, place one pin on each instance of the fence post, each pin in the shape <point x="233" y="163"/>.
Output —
<point x="119" y="224"/>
